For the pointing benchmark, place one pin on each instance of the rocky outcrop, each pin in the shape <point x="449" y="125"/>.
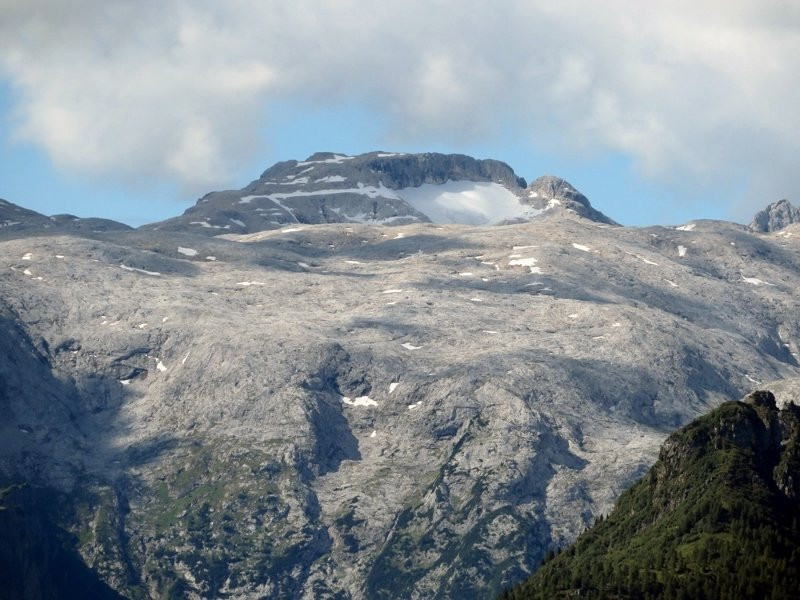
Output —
<point x="549" y="192"/>
<point x="775" y="217"/>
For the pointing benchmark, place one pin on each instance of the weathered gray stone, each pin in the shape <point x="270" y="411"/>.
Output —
<point x="354" y="411"/>
<point x="775" y="217"/>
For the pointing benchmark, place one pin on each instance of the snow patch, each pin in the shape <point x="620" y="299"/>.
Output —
<point x="27" y="256"/>
<point x="360" y="401"/>
<point x="151" y="273"/>
<point x="393" y="386"/>
<point x="364" y="190"/>
<point x="681" y="251"/>
<point x="291" y="229"/>
<point x="408" y="346"/>
<point x="687" y="227"/>
<point x="331" y="179"/>
<point x="336" y="160"/>
<point x="756" y="281"/>
<point x="646" y="261"/>
<point x="297" y="181"/>
<point x="581" y="247"/>
<point x="205" y="224"/>
<point x="187" y="251"/>
<point x="160" y="366"/>
<point x="523" y="262"/>
<point x="249" y="283"/>
<point x="238" y="222"/>
<point x="392" y="291"/>
<point x="466" y="202"/>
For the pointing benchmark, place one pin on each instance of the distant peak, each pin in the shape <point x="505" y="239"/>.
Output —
<point x="556" y="187"/>
<point x="776" y="216"/>
<point x="549" y="191"/>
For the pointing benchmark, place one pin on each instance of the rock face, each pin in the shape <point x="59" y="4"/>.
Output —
<point x="775" y="217"/>
<point x="716" y="517"/>
<point x="354" y="411"/>
<point x="378" y="188"/>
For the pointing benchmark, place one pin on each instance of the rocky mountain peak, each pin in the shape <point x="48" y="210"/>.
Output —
<point x="550" y="186"/>
<point x="776" y="216"/>
<point x="549" y="192"/>
<point x="380" y="188"/>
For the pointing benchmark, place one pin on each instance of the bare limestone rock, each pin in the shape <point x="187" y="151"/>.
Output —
<point x="354" y="411"/>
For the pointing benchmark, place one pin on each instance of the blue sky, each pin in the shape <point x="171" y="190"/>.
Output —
<point x="658" y="114"/>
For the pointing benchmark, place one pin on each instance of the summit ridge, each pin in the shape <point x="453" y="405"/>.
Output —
<point x="380" y="188"/>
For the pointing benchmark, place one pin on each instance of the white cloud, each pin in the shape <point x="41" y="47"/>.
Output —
<point x="177" y="89"/>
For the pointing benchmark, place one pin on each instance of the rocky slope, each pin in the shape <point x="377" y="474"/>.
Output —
<point x="380" y="188"/>
<point x="355" y="411"/>
<point x="715" y="517"/>
<point x="775" y="217"/>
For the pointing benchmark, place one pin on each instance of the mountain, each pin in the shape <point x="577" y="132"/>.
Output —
<point x="548" y="192"/>
<point x="716" y="517"/>
<point x="775" y="217"/>
<point x="15" y="220"/>
<point x="380" y="188"/>
<point x="349" y="410"/>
